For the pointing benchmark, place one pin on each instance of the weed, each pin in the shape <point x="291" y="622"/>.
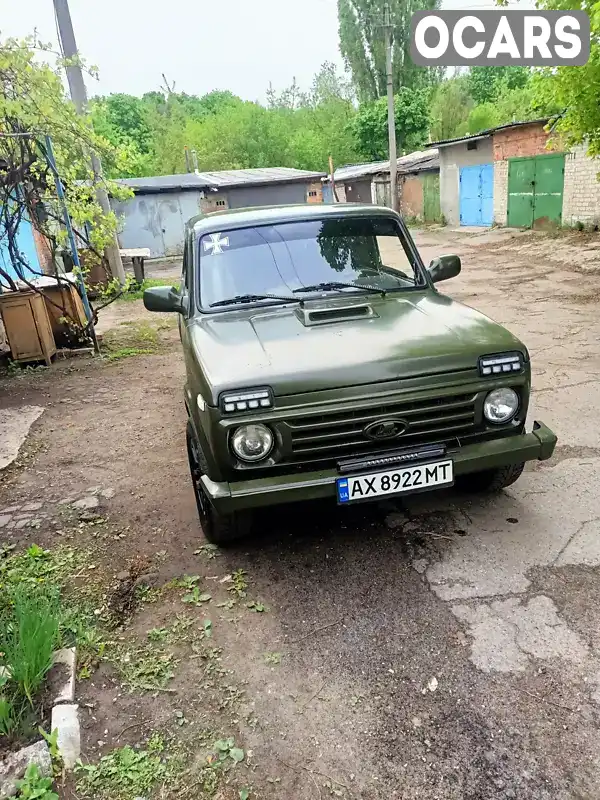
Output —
<point x="208" y="550"/>
<point x="144" y="668"/>
<point x="158" y="634"/>
<point x="133" y="291"/>
<point x="34" y="786"/>
<point x="175" y="633"/>
<point x="126" y="772"/>
<point x="272" y="658"/>
<point x="225" y="748"/>
<point x="239" y="583"/>
<point x="51" y="740"/>
<point x="137" y="338"/>
<point x="197" y="598"/>
<point x="128" y="352"/>
<point x="186" y="582"/>
<point x="29" y="639"/>
<point x="9" y="715"/>
<point x="254" y="605"/>
<point x="147" y="594"/>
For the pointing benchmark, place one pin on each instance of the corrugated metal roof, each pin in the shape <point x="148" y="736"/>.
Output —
<point x="220" y="179"/>
<point x="490" y="131"/>
<point x="412" y="162"/>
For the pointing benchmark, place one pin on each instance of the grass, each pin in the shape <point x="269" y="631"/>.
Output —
<point x="131" y="339"/>
<point x="29" y="639"/>
<point x="127" y="772"/>
<point x="135" y="292"/>
<point x="36" y="619"/>
<point x="161" y="769"/>
<point x="144" y="668"/>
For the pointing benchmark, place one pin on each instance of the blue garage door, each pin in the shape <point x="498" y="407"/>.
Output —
<point x="477" y="195"/>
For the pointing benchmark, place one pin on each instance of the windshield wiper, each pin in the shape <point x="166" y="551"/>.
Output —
<point x="332" y="285"/>
<point x="251" y="298"/>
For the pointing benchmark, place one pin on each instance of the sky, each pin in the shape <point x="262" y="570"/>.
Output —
<point x="240" y="45"/>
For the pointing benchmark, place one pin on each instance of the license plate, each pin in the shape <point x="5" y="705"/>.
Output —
<point x="395" y="481"/>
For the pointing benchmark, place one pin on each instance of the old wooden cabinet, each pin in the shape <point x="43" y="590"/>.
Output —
<point x="65" y="309"/>
<point x="27" y="326"/>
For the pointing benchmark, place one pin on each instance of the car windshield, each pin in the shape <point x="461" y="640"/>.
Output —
<point x="303" y="259"/>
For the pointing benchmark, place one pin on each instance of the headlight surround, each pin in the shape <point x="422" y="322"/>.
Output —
<point x="246" y="400"/>
<point x="252" y="442"/>
<point x="500" y="363"/>
<point x="501" y="405"/>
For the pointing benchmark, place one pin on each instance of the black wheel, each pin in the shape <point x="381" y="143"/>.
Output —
<point x="491" y="480"/>
<point x="218" y="528"/>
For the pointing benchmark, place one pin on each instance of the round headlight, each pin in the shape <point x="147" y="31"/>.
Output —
<point x="252" y="442"/>
<point x="501" y="405"/>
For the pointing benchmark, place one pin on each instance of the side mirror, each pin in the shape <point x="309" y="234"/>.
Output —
<point x="163" y="298"/>
<point x="444" y="267"/>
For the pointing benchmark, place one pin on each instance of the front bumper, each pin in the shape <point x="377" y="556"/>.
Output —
<point x="227" y="497"/>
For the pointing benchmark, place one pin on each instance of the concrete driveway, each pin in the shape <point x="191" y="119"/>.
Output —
<point x="444" y="647"/>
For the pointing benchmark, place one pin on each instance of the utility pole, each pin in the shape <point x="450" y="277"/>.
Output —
<point x="387" y="26"/>
<point x="79" y="97"/>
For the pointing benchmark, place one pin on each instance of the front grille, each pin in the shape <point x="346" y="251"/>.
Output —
<point x="326" y="436"/>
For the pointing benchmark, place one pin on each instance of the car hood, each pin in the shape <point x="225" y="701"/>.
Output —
<point x="406" y="336"/>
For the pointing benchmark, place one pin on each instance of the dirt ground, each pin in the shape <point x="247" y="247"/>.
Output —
<point x="441" y="647"/>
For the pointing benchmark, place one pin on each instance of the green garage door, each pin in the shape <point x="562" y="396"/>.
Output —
<point x="431" y="197"/>
<point x="535" y="191"/>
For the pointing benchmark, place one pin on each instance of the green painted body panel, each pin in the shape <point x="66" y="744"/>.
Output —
<point x="432" y="211"/>
<point x="535" y="191"/>
<point x="227" y="497"/>
<point x="413" y="333"/>
<point x="414" y="347"/>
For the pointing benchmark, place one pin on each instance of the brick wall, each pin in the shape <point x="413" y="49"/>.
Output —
<point x="44" y="252"/>
<point x="314" y="193"/>
<point x="500" y="192"/>
<point x="581" y="198"/>
<point x="410" y="190"/>
<point x="213" y="202"/>
<point x="526" y="140"/>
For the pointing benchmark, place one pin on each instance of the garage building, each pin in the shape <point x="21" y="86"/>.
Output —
<point x="518" y="175"/>
<point x="155" y="216"/>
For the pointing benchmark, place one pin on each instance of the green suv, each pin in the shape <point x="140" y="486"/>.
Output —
<point x="323" y="362"/>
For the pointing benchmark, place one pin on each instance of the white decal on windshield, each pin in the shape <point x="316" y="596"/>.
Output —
<point x="216" y="244"/>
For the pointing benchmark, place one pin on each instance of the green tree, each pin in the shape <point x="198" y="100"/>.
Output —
<point x="575" y="91"/>
<point x="33" y="105"/>
<point x="124" y="121"/>
<point x="412" y="123"/>
<point x="450" y="107"/>
<point x="486" y="83"/>
<point x="512" y="105"/>
<point x="363" y="48"/>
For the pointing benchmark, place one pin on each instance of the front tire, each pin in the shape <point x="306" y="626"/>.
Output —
<point x="218" y="528"/>
<point x="491" y="481"/>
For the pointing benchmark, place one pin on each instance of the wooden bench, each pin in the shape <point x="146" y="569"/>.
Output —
<point x="137" y="256"/>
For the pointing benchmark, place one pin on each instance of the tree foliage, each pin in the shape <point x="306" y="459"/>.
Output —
<point x="362" y="45"/>
<point x="296" y="128"/>
<point x="450" y="107"/>
<point x="485" y="84"/>
<point x="33" y="105"/>
<point x="412" y="121"/>
<point x="574" y="91"/>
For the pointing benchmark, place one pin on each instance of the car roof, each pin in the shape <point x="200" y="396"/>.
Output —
<point x="270" y="215"/>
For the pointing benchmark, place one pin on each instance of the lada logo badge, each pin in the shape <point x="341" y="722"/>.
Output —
<point x="384" y="429"/>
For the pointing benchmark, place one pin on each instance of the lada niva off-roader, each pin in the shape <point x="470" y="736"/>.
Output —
<point x="323" y="362"/>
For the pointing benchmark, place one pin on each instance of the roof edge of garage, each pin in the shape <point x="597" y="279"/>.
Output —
<point x="489" y="132"/>
<point x="220" y="180"/>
